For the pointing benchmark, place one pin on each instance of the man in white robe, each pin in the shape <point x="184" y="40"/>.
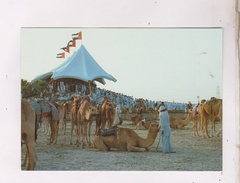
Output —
<point x="165" y="130"/>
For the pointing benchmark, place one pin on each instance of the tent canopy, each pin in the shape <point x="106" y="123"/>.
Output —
<point x="81" y="65"/>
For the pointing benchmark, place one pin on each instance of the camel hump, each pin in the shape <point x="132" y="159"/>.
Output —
<point x="54" y="112"/>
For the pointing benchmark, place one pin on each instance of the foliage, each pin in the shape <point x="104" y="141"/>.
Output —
<point x="32" y="89"/>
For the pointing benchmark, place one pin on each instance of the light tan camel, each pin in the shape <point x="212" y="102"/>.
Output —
<point x="178" y="123"/>
<point x="196" y="119"/>
<point x="154" y="112"/>
<point x="134" y="119"/>
<point x="212" y="110"/>
<point x="126" y="139"/>
<point x="74" y="120"/>
<point x="86" y="112"/>
<point x="145" y="124"/>
<point x="29" y="133"/>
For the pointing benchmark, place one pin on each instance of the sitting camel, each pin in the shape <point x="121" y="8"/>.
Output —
<point x="145" y="124"/>
<point x="156" y="112"/>
<point x="177" y="123"/>
<point x="126" y="139"/>
<point x="211" y="110"/>
<point x="134" y="119"/>
<point x="29" y="133"/>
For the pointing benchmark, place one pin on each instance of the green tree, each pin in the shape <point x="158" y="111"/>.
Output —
<point x="29" y="89"/>
<point x="26" y="87"/>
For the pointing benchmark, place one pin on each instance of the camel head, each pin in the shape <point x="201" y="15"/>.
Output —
<point x="109" y="105"/>
<point x="86" y="98"/>
<point x="93" y="110"/>
<point x="154" y="128"/>
<point x="75" y="99"/>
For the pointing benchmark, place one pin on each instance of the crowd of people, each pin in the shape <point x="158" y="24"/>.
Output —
<point x="65" y="92"/>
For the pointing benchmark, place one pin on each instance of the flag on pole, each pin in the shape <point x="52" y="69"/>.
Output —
<point x="77" y="36"/>
<point x="66" y="49"/>
<point x="61" y="55"/>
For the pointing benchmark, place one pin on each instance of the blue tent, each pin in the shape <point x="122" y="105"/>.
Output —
<point x="81" y="65"/>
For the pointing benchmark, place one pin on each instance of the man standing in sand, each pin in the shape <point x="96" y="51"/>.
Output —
<point x="165" y="130"/>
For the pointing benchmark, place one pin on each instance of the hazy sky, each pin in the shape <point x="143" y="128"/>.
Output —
<point x="155" y="64"/>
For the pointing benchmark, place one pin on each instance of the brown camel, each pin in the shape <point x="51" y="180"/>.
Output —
<point x="177" y="123"/>
<point x="145" y="124"/>
<point x="67" y="111"/>
<point x="61" y="112"/>
<point x="212" y="110"/>
<point x="47" y="110"/>
<point x="106" y="114"/>
<point x="29" y="133"/>
<point x="126" y="139"/>
<point x="154" y="112"/>
<point x="85" y="113"/>
<point x="74" y="120"/>
<point x="134" y="119"/>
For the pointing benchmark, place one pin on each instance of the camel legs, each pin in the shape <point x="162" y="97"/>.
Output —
<point x="99" y="144"/>
<point x="219" y="132"/>
<point x="212" y="119"/>
<point x="131" y="148"/>
<point x="83" y="132"/>
<point x="31" y="156"/>
<point x="72" y="126"/>
<point x="89" y="133"/>
<point x="195" y="126"/>
<point x="64" y="125"/>
<point x="204" y="127"/>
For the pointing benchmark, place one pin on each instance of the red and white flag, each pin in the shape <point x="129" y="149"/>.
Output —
<point x="66" y="49"/>
<point x="77" y="36"/>
<point x="61" y="55"/>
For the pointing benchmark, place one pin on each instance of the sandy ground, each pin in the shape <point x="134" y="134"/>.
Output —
<point x="192" y="154"/>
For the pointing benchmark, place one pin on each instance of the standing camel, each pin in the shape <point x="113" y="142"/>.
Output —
<point x="47" y="110"/>
<point x="29" y="133"/>
<point x="85" y="113"/>
<point x="74" y="120"/>
<point x="211" y="109"/>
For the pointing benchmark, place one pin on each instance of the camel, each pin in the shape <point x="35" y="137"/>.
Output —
<point x="74" y="120"/>
<point x="68" y="108"/>
<point x="177" y="123"/>
<point x="134" y="119"/>
<point x="106" y="114"/>
<point x="211" y="109"/>
<point x="29" y="133"/>
<point x="62" y="120"/>
<point x="85" y="113"/>
<point x="126" y="139"/>
<point x="48" y="110"/>
<point x="144" y="124"/>
<point x="156" y="112"/>
<point x="196" y="118"/>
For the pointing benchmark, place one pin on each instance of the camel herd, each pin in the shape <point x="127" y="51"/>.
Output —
<point x="82" y="113"/>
